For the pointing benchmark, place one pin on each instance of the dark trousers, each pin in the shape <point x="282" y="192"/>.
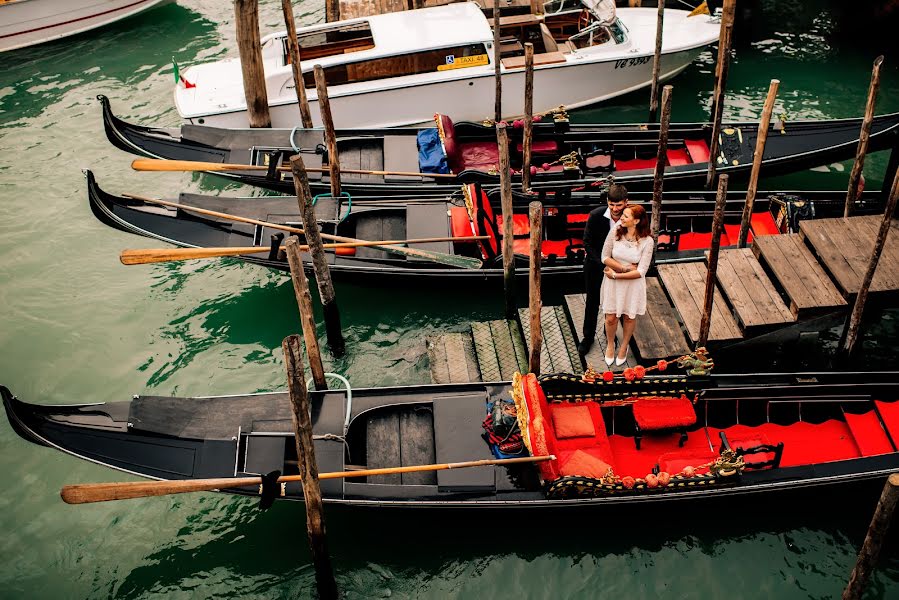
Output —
<point x="593" y="280"/>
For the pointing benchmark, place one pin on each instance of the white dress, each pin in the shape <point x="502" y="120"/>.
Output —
<point x="626" y="296"/>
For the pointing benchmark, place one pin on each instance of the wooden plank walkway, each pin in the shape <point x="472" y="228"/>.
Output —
<point x="808" y="287"/>
<point x="844" y="247"/>
<point x="499" y="349"/>
<point x="658" y="333"/>
<point x="452" y="358"/>
<point x="558" y="354"/>
<point x="755" y="301"/>
<point x="576" y="303"/>
<point x="685" y="283"/>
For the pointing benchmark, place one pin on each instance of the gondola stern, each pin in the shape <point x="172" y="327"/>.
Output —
<point x="20" y="414"/>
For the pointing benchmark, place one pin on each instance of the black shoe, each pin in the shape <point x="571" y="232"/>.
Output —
<point x="584" y="347"/>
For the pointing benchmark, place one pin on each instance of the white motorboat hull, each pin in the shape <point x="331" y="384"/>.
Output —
<point x="28" y="22"/>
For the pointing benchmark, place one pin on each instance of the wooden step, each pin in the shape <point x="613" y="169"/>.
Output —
<point x="755" y="301"/>
<point x="499" y="349"/>
<point x="808" y="287"/>
<point x="844" y="247"/>
<point x="685" y="284"/>
<point x="452" y="358"/>
<point x="558" y="354"/>
<point x="658" y="333"/>
<point x="576" y="303"/>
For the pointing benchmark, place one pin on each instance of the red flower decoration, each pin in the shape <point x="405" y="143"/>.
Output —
<point x="517" y="123"/>
<point x="640" y="371"/>
<point x="662" y="365"/>
<point x="689" y="471"/>
<point x="628" y="482"/>
<point x="533" y="170"/>
<point x="505" y="123"/>
<point x="629" y="374"/>
<point x="652" y="481"/>
<point x="664" y="478"/>
<point x="538" y="118"/>
<point x="608" y="376"/>
<point x="546" y="166"/>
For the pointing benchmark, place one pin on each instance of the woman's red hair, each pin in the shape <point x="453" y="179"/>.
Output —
<point x="639" y="213"/>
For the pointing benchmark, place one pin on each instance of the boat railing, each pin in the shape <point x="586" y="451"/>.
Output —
<point x="349" y="397"/>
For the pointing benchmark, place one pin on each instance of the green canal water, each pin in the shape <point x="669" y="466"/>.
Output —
<point x="77" y="326"/>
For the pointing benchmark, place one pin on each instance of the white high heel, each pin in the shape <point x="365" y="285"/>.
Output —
<point x="609" y="360"/>
<point x="619" y="361"/>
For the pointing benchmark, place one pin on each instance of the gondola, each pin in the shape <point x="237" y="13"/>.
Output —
<point x="685" y="228"/>
<point x="657" y="438"/>
<point x="580" y="154"/>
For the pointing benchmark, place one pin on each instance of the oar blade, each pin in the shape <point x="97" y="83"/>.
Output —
<point x="144" y="256"/>
<point x="86" y="493"/>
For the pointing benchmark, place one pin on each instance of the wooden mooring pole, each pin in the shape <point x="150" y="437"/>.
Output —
<point x="293" y="50"/>
<point x="724" y="43"/>
<point x="661" y="159"/>
<point x="711" y="280"/>
<point x="307" y="318"/>
<point x="757" y="157"/>
<point x="324" y="106"/>
<point x="497" y="68"/>
<point x="535" y="303"/>
<point x="505" y="179"/>
<point x="862" y="150"/>
<point x="656" y="65"/>
<point x="332" y="10"/>
<point x="528" y="134"/>
<point x="319" y="257"/>
<point x="858" y="309"/>
<point x="880" y="523"/>
<point x="312" y="494"/>
<point x="249" y="47"/>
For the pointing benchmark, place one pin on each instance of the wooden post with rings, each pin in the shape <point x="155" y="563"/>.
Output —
<point x="850" y="335"/>
<point x="764" y="126"/>
<point x="528" y="135"/>
<point x="661" y="159"/>
<point x="656" y="64"/>
<point x="293" y="50"/>
<point x="724" y="43"/>
<point x="249" y="47"/>
<point x="307" y="318"/>
<point x="535" y="303"/>
<point x="312" y="494"/>
<point x="711" y="279"/>
<point x="877" y="530"/>
<point x="505" y="178"/>
<point x="324" y="106"/>
<point x="319" y="258"/>
<point x="862" y="150"/>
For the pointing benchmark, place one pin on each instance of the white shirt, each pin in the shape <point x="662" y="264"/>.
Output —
<point x="612" y="222"/>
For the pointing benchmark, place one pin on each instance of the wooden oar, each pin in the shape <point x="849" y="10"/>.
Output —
<point x="85" y="493"/>
<point x="444" y="258"/>
<point x="143" y="256"/>
<point x="154" y="164"/>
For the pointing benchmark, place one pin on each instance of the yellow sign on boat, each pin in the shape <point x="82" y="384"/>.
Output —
<point x="463" y="62"/>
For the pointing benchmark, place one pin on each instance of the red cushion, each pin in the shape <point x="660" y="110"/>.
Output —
<point x="448" y="136"/>
<point x="733" y="233"/>
<point x="662" y="413"/>
<point x="598" y="161"/>
<point x="763" y="223"/>
<point x="678" y="157"/>
<point x="585" y="463"/>
<point x="699" y="150"/>
<point x="478" y="155"/>
<point x="571" y="421"/>
<point x="699" y="241"/>
<point x="521" y="224"/>
<point x="461" y="222"/>
<point x="674" y="462"/>
<point x="541" y="147"/>
<point x="547" y="248"/>
<point x="578" y="218"/>
<point x="539" y="431"/>
<point x="637" y="163"/>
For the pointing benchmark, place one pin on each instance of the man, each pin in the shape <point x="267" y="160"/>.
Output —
<point x="600" y="221"/>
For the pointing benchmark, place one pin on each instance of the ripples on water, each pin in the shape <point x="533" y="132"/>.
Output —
<point x="79" y="327"/>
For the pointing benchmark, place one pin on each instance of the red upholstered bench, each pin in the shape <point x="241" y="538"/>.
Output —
<point x="663" y="414"/>
<point x="541" y="147"/>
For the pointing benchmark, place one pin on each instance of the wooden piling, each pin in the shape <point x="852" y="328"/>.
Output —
<point x="656" y="65"/>
<point x="505" y="178"/>
<point x="757" y="157"/>
<point x="661" y="159"/>
<point x="862" y="150"/>
<point x="528" y="134"/>
<point x="332" y="10"/>
<point x="293" y="50"/>
<point x="319" y="257"/>
<point x="880" y="523"/>
<point x="307" y="319"/>
<point x="312" y="494"/>
<point x="858" y="309"/>
<point x="535" y="303"/>
<point x="497" y="67"/>
<point x="249" y="46"/>
<point x="711" y="279"/>
<point x="324" y="106"/>
<point x="724" y="44"/>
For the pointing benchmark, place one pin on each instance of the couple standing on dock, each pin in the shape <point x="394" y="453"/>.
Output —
<point x="619" y="251"/>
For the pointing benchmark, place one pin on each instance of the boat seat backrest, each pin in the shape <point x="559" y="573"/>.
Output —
<point x="484" y="220"/>
<point x="757" y="451"/>
<point x="448" y="138"/>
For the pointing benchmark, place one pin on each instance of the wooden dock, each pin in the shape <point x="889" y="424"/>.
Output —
<point x="779" y="282"/>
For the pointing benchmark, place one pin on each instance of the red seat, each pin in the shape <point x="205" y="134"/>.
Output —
<point x="700" y="241"/>
<point x="733" y="233"/>
<point x="521" y="224"/>
<point x="699" y="150"/>
<point x="664" y="413"/>
<point x="678" y="157"/>
<point x="461" y="222"/>
<point x="547" y="248"/>
<point x="578" y="218"/>
<point x="763" y="223"/>
<point x="675" y="462"/>
<point x="465" y="155"/>
<point x="541" y="147"/>
<point x="637" y="163"/>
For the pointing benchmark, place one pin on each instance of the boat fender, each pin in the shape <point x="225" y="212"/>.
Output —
<point x="269" y="490"/>
<point x="275" y="252"/>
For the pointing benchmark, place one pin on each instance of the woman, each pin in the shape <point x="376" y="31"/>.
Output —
<point x="626" y="255"/>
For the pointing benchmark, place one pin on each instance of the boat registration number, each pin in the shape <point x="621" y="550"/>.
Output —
<point x="462" y="62"/>
<point x="632" y="62"/>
